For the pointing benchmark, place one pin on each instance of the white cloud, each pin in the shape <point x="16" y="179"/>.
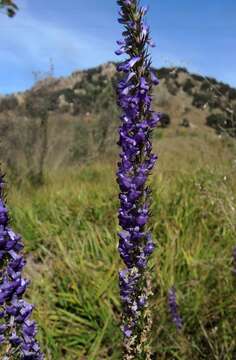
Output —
<point x="29" y="41"/>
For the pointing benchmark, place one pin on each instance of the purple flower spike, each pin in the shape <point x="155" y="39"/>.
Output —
<point x="154" y="78"/>
<point x="174" y="308"/>
<point x="134" y="93"/>
<point x="17" y="332"/>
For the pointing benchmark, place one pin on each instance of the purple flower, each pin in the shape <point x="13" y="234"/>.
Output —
<point x="134" y="93"/>
<point x="16" y="329"/>
<point x="129" y="64"/>
<point x="154" y="78"/>
<point x="174" y="308"/>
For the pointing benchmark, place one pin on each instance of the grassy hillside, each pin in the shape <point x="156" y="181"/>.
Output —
<point x="66" y="129"/>
<point x="69" y="226"/>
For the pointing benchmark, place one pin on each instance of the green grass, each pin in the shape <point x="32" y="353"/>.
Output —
<point x="69" y="228"/>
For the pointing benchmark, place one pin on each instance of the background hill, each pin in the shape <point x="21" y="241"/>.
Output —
<point x="72" y="120"/>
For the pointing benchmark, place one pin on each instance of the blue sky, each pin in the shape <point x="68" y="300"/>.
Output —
<point x="76" y="34"/>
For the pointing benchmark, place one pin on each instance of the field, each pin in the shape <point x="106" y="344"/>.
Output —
<point x="69" y="227"/>
<point x="59" y="153"/>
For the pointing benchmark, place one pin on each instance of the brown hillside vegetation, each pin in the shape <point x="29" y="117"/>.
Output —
<point x="74" y="119"/>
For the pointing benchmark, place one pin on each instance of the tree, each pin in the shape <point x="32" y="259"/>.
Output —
<point x="9" y="7"/>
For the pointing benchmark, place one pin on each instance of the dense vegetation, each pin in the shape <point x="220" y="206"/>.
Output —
<point x="65" y="121"/>
<point x="69" y="226"/>
<point x="62" y="136"/>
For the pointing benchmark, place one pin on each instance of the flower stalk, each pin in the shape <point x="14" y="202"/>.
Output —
<point x="134" y="94"/>
<point x="174" y="308"/>
<point x="17" y="331"/>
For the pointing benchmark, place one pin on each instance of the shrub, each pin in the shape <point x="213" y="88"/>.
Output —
<point x="205" y="86"/>
<point x="35" y="105"/>
<point x="172" y="88"/>
<point x="223" y="88"/>
<point x="198" y="77"/>
<point x="188" y="85"/>
<point x="89" y="93"/>
<point x="182" y="69"/>
<point x="165" y="120"/>
<point x="92" y="72"/>
<point x="163" y="73"/>
<point x="200" y="99"/>
<point x="68" y="94"/>
<point x="232" y="94"/>
<point x="211" y="80"/>
<point x="222" y="123"/>
<point x="51" y="100"/>
<point x="215" y="120"/>
<point x="215" y="102"/>
<point x="7" y="103"/>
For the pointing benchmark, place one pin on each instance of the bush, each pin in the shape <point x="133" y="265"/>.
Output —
<point x="36" y="104"/>
<point x="205" y="86"/>
<point x="198" y="77"/>
<point x="182" y="69"/>
<point x="217" y="121"/>
<point x="188" y="85"/>
<point x="171" y="87"/>
<point x="9" y="102"/>
<point x="53" y="101"/>
<point x="211" y="80"/>
<point x="91" y="72"/>
<point x="165" y="120"/>
<point x="215" y="102"/>
<point x="163" y="73"/>
<point x="223" y="88"/>
<point x="200" y="99"/>
<point x="90" y="90"/>
<point x="222" y="122"/>
<point x="232" y="94"/>
<point x="68" y="94"/>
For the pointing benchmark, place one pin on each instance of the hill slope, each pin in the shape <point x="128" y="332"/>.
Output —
<point x="75" y="119"/>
